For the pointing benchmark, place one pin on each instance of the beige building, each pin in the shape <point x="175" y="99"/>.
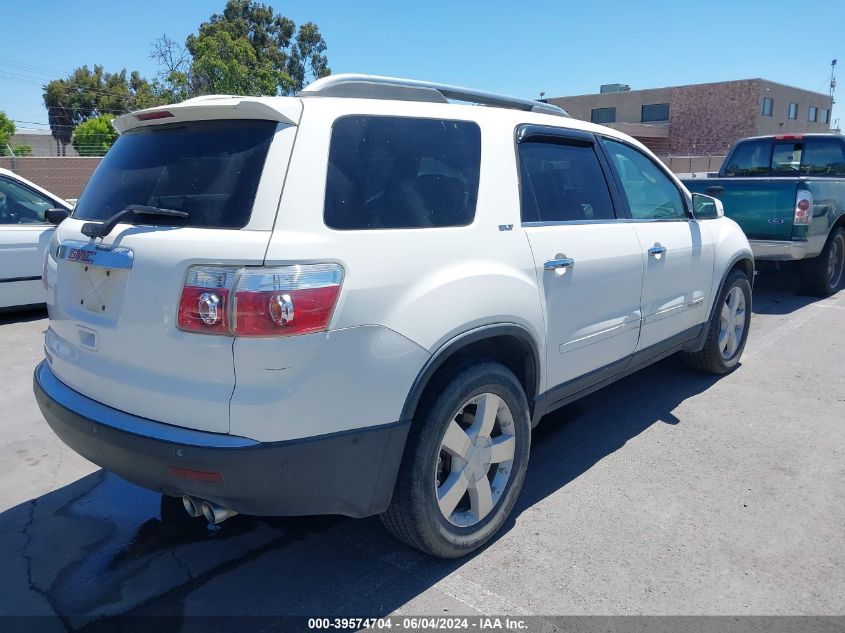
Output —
<point x="703" y="119"/>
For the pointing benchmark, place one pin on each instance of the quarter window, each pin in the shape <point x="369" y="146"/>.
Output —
<point x="401" y="173"/>
<point x="768" y="106"/>
<point x="793" y="110"/>
<point x="562" y="183"/>
<point x="603" y="115"/>
<point x="650" y="192"/>
<point x="658" y="112"/>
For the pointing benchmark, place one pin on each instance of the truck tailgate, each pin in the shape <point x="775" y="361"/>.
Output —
<point x="763" y="207"/>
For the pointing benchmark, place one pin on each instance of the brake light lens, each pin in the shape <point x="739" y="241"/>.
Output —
<point x="259" y="301"/>
<point x="803" y="208"/>
<point x="286" y="300"/>
<point x="150" y="116"/>
<point x="204" y="304"/>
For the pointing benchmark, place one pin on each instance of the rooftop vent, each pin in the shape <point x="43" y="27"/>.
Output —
<point x="614" y="88"/>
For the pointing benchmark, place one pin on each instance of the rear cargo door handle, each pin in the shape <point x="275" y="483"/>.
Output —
<point x="657" y="250"/>
<point x="563" y="262"/>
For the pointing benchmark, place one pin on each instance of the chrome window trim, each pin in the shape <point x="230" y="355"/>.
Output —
<point x="605" y="221"/>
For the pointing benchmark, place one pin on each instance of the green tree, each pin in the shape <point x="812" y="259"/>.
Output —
<point x="247" y="49"/>
<point x="21" y="149"/>
<point x="95" y="136"/>
<point x="7" y="129"/>
<point x="88" y="93"/>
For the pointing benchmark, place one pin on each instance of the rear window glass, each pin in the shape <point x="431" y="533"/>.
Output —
<point x="209" y="169"/>
<point x="400" y="172"/>
<point x="786" y="158"/>
<point x="750" y="158"/>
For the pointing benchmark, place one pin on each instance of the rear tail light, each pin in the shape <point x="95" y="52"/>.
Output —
<point x="803" y="207"/>
<point x="259" y="301"/>
<point x="204" y="304"/>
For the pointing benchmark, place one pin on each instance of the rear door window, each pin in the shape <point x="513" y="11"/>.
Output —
<point x="209" y="169"/>
<point x="750" y="158"/>
<point x="401" y="173"/>
<point x="562" y="182"/>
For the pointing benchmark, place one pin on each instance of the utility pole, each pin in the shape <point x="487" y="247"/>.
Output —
<point x="835" y="123"/>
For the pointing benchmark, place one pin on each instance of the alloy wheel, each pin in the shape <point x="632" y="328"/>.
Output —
<point x="732" y="322"/>
<point x="475" y="460"/>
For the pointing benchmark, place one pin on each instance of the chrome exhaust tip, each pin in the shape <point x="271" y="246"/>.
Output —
<point x="192" y="506"/>
<point x="216" y="514"/>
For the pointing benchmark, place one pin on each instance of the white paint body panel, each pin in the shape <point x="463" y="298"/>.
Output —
<point x="676" y="284"/>
<point x="593" y="307"/>
<point x="405" y="294"/>
<point x="22" y="249"/>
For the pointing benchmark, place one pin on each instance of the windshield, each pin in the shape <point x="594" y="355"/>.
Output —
<point x="208" y="169"/>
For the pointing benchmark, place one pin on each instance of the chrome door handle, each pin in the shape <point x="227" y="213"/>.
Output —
<point x="554" y="264"/>
<point x="657" y="249"/>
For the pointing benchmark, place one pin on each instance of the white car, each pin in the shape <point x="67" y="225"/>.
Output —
<point x="361" y="299"/>
<point x="25" y="230"/>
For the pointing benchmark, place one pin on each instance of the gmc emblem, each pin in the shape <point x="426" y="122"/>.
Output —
<point x="80" y="255"/>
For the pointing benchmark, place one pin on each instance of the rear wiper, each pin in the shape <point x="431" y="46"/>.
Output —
<point x="101" y="229"/>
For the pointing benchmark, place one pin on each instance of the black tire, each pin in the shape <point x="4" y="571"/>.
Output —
<point x="823" y="275"/>
<point x="414" y="516"/>
<point x="710" y="359"/>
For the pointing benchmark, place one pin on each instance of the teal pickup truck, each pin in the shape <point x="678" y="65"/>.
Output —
<point x="787" y="192"/>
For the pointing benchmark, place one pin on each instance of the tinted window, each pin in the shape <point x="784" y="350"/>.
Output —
<point x="750" y="158"/>
<point x="655" y="112"/>
<point x="21" y="205"/>
<point x="768" y="106"/>
<point x="562" y="182"/>
<point x="399" y="172"/>
<point x="823" y="157"/>
<point x="786" y="158"/>
<point x="650" y="192"/>
<point x="209" y="169"/>
<point x="603" y="115"/>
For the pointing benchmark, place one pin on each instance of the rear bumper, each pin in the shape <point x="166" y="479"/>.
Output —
<point x="350" y="473"/>
<point x="785" y="250"/>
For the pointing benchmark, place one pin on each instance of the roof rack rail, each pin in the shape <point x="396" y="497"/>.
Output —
<point x="376" y="87"/>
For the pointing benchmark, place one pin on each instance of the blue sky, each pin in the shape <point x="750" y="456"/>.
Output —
<point x="520" y="48"/>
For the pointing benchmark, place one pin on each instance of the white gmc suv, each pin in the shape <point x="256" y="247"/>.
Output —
<point x="361" y="299"/>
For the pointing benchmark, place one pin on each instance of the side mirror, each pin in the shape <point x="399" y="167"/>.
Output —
<point x="55" y="216"/>
<point x="706" y="208"/>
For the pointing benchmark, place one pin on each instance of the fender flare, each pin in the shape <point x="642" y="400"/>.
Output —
<point x="738" y="257"/>
<point x="456" y="343"/>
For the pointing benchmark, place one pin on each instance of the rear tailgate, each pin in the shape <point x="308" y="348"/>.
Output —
<point x="763" y="207"/>
<point x="113" y="302"/>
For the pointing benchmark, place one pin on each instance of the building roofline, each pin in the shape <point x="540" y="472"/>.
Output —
<point x="706" y="83"/>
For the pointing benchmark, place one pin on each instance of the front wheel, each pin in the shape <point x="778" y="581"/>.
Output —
<point x="464" y="463"/>
<point x="823" y="275"/>
<point x="728" y="328"/>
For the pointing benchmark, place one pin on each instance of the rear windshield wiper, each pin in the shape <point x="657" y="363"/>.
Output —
<point x="101" y="229"/>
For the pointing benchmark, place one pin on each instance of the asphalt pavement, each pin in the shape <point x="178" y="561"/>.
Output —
<point x="667" y="493"/>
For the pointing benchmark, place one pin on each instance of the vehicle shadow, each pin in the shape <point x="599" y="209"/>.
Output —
<point x="101" y="547"/>
<point x="777" y="291"/>
<point x="9" y="316"/>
